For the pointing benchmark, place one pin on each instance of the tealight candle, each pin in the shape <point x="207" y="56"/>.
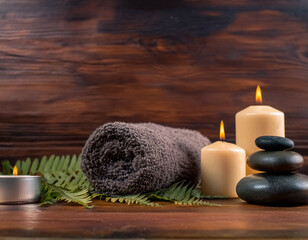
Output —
<point x="256" y="121"/>
<point x="19" y="189"/>
<point x="222" y="167"/>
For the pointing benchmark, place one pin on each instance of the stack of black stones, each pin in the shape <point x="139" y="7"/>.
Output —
<point x="279" y="185"/>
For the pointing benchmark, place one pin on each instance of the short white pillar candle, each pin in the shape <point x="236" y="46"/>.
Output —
<point x="222" y="167"/>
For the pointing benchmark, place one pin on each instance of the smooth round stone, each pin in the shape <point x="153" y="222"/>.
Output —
<point x="274" y="143"/>
<point x="278" y="161"/>
<point x="274" y="189"/>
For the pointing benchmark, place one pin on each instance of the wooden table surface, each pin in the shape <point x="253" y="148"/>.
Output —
<point x="234" y="219"/>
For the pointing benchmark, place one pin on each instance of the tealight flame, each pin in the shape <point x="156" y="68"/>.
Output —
<point x="258" y="95"/>
<point x="222" y="131"/>
<point x="15" y="171"/>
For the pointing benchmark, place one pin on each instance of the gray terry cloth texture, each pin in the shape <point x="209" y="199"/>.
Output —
<point x="125" y="158"/>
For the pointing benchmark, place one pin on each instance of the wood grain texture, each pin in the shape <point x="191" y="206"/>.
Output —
<point x="234" y="219"/>
<point x="67" y="67"/>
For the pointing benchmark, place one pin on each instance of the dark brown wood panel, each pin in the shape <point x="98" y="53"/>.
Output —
<point x="233" y="220"/>
<point x="68" y="66"/>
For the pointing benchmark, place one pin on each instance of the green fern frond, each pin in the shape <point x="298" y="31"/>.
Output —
<point x="181" y="193"/>
<point x="48" y="196"/>
<point x="25" y="166"/>
<point x="196" y="201"/>
<point x="76" y="196"/>
<point x="34" y="166"/>
<point x="6" y="167"/>
<point x="140" y="199"/>
<point x="54" y="194"/>
<point x="99" y="196"/>
<point x="63" y="180"/>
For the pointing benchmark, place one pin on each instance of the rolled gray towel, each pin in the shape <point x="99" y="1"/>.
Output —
<point x="126" y="158"/>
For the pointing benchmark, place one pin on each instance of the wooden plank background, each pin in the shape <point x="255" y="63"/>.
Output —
<point x="67" y="67"/>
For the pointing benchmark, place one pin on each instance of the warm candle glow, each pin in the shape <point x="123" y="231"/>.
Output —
<point x="258" y="95"/>
<point x="15" y="171"/>
<point x="222" y="131"/>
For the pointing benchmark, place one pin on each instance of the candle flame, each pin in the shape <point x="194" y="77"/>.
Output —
<point x="222" y="131"/>
<point x="258" y="95"/>
<point x="15" y="171"/>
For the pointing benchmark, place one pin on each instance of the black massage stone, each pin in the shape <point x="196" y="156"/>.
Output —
<point x="278" y="186"/>
<point x="278" y="161"/>
<point x="274" y="189"/>
<point x="273" y="143"/>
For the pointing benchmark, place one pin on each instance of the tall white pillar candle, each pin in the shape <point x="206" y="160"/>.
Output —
<point x="255" y="121"/>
